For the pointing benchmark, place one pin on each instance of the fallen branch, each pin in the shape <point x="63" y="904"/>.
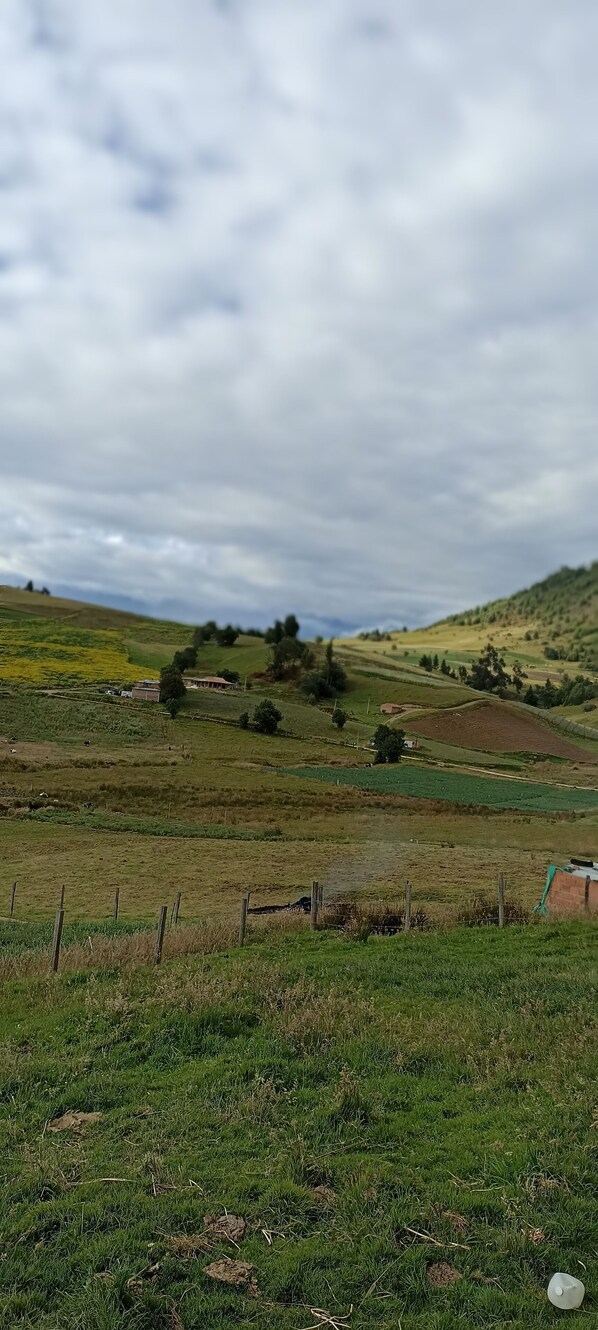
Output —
<point x="336" y="1322"/>
<point x="426" y="1237"/>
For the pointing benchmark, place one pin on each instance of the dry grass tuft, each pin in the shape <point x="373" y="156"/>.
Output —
<point x="311" y="1018"/>
<point x="132" y="949"/>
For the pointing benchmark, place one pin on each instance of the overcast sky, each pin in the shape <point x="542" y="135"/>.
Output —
<point x="298" y="302"/>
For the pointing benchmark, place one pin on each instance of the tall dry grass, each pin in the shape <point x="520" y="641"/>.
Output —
<point x="132" y="949"/>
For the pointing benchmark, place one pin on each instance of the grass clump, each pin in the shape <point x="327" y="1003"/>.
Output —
<point x="148" y="826"/>
<point x="483" y="911"/>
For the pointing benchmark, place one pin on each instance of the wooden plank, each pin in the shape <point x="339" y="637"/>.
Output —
<point x="56" y="939"/>
<point x="160" y="934"/>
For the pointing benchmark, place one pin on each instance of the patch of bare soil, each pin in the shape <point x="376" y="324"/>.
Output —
<point x="497" y="729"/>
<point x="441" y="1274"/>
<point x="237" y="1273"/>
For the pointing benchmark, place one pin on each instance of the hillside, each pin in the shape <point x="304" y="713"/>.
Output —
<point x="560" y="612"/>
<point x="99" y="791"/>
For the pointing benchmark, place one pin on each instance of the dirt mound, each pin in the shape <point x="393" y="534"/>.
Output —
<point x="497" y="729"/>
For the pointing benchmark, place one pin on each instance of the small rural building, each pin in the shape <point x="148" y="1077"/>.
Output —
<point x="411" y="744"/>
<point x="572" y="889"/>
<point x="212" y="681"/>
<point x="391" y="709"/>
<point x="147" y="690"/>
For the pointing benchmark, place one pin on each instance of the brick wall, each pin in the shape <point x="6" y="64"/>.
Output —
<point x="567" y="894"/>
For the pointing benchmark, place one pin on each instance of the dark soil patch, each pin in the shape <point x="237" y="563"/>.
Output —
<point x="497" y="729"/>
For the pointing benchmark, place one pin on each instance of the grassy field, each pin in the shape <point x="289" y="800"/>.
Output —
<point x="100" y="792"/>
<point x="407" y="1129"/>
<point x="33" y="652"/>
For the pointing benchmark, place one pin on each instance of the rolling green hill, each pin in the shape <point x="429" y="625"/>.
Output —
<point x="561" y="612"/>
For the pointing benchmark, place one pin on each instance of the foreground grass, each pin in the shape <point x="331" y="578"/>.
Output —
<point x="374" y="1109"/>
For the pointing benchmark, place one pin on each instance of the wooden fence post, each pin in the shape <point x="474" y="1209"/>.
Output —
<point x="313" y="921"/>
<point x="160" y="934"/>
<point x="586" y="895"/>
<point x="177" y="906"/>
<point x="502" y="882"/>
<point x="243" y="920"/>
<point x="12" y="899"/>
<point x="407" y="919"/>
<point x="116" y="904"/>
<point x="321" y="896"/>
<point x="58" y="922"/>
<point x="61" y="906"/>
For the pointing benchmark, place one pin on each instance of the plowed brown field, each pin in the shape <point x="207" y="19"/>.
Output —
<point x="497" y="729"/>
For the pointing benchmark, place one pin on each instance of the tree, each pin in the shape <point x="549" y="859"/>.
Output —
<point x="488" y="674"/>
<point x="275" y="633"/>
<point x="291" y="626"/>
<point x="333" y="672"/>
<point x="45" y="591"/>
<point x="518" y="676"/>
<point x="425" y="663"/>
<point x="173" y="706"/>
<point x="463" y="673"/>
<point x="285" y="653"/>
<point x="231" y="676"/>
<point x="548" y="695"/>
<point x="171" y="683"/>
<point x="339" y="718"/>
<point x="226" y="637"/>
<point x="266" y="717"/>
<point x="388" y="743"/>
<point x="186" y="659"/>
<point x="530" y="697"/>
<point x="435" y="663"/>
<point x="244" y="720"/>
<point x="444" y="668"/>
<point x="29" y="586"/>
<point x="315" y="686"/>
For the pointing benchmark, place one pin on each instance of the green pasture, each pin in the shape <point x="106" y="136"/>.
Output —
<point x="377" y="1114"/>
<point x="421" y="782"/>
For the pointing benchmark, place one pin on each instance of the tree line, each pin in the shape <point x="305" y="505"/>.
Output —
<point x="488" y="674"/>
<point x="289" y="660"/>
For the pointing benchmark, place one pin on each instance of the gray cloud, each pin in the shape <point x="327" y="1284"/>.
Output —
<point x="298" y="304"/>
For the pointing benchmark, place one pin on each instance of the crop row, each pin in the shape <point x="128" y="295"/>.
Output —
<point x="455" y="787"/>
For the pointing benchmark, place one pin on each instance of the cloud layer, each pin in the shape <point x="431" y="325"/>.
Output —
<point x="298" y="303"/>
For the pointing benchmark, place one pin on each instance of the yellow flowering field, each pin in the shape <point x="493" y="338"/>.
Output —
<point x="39" y="651"/>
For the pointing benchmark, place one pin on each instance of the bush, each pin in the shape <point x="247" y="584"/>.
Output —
<point x="266" y="717"/>
<point x="483" y="911"/>
<point x="361" y="921"/>
<point x="339" y="718"/>
<point x="316" y="687"/>
<point x="244" y="720"/>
